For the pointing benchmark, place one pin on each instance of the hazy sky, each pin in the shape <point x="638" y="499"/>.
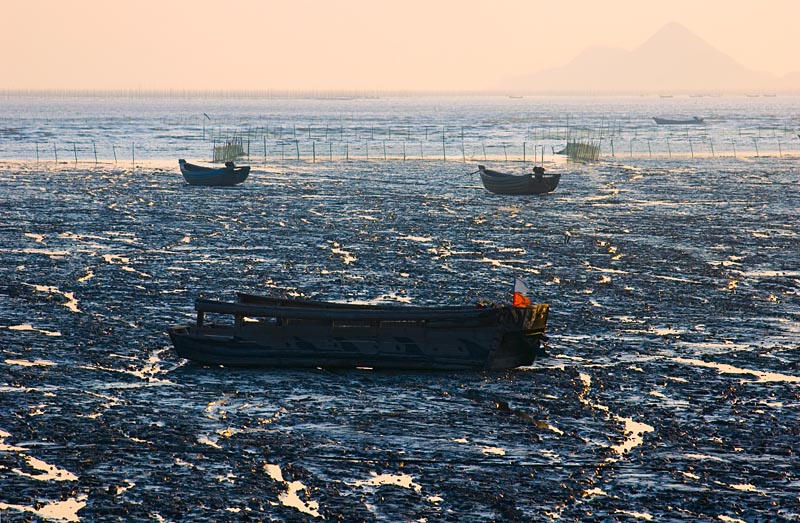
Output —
<point x="357" y="44"/>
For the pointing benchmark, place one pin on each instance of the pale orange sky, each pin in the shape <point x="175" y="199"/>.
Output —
<point x="411" y="45"/>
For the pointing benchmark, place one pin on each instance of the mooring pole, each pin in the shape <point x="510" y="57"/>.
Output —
<point x="444" y="152"/>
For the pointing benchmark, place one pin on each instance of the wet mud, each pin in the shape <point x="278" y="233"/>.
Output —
<point x="671" y="391"/>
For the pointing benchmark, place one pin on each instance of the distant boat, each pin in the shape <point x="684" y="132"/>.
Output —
<point x="215" y="177"/>
<point x="268" y="331"/>
<point x="694" y="120"/>
<point x="536" y="182"/>
<point x="581" y="151"/>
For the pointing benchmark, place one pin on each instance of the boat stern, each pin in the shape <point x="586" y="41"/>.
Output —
<point x="521" y="338"/>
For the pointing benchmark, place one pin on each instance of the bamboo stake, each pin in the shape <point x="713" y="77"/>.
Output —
<point x="463" y="152"/>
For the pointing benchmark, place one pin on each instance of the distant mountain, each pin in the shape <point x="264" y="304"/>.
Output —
<point x="672" y="60"/>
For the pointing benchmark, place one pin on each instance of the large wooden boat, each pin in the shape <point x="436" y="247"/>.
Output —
<point x="211" y="176"/>
<point x="536" y="182"/>
<point x="277" y="332"/>
<point x="694" y="120"/>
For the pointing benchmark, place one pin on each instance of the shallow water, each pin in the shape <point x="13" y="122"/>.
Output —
<point x="671" y="393"/>
<point x="128" y="128"/>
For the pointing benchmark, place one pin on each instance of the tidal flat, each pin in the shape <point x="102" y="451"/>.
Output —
<point x="671" y="391"/>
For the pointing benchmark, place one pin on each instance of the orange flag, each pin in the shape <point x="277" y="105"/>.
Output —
<point x="521" y="293"/>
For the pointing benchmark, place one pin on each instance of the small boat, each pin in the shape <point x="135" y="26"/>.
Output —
<point x="694" y="120"/>
<point x="210" y="176"/>
<point x="536" y="182"/>
<point x="263" y="331"/>
<point x="581" y="151"/>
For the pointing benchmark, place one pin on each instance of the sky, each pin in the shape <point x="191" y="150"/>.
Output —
<point x="362" y="45"/>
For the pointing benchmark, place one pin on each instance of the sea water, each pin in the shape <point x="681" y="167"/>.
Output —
<point x="671" y="391"/>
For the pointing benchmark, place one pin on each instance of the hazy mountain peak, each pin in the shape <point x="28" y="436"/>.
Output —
<point x="674" y="42"/>
<point x="674" y="32"/>
<point x="673" y="59"/>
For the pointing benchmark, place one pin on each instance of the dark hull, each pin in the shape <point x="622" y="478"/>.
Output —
<point x="222" y="177"/>
<point x="503" y="183"/>
<point x="296" y="333"/>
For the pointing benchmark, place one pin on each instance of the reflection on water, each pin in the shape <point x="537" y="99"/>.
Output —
<point x="723" y="368"/>
<point x="66" y="510"/>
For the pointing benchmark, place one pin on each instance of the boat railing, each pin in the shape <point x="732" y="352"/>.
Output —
<point x="203" y="306"/>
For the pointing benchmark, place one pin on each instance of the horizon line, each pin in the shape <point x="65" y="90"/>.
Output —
<point x="374" y="93"/>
